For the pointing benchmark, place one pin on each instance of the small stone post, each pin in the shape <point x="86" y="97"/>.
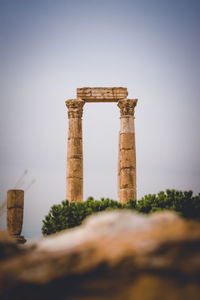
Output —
<point x="15" y="209"/>
<point x="127" y="154"/>
<point x="74" y="186"/>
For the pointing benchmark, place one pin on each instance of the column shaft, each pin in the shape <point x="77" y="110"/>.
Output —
<point x="127" y="153"/>
<point x="74" y="182"/>
<point x="15" y="209"/>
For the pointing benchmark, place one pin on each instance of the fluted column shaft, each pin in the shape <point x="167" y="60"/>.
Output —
<point x="74" y="184"/>
<point x="127" y="153"/>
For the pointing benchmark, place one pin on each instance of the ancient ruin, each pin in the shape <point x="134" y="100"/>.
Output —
<point x="15" y="211"/>
<point x="126" y="155"/>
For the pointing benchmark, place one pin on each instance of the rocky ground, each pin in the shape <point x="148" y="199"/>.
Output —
<point x="114" y="255"/>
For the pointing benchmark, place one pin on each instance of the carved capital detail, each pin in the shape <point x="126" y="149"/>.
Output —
<point x="75" y="108"/>
<point x="127" y="107"/>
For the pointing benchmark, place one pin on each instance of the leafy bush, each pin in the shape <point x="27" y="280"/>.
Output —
<point x="71" y="214"/>
<point x="183" y="203"/>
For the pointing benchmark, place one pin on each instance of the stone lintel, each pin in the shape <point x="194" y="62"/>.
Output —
<point x="102" y="94"/>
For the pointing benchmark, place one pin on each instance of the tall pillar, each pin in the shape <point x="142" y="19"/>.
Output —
<point x="127" y="153"/>
<point x="74" y="184"/>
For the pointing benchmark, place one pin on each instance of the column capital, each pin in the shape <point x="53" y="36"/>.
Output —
<point x="75" y="108"/>
<point x="127" y="107"/>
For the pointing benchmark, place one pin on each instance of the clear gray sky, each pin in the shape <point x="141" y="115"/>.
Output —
<point x="49" y="48"/>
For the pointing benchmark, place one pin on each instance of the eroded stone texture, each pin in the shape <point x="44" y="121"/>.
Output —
<point x="74" y="184"/>
<point x="15" y="209"/>
<point x="127" y="153"/>
<point x="127" y="156"/>
<point x="117" y="255"/>
<point x="102" y="94"/>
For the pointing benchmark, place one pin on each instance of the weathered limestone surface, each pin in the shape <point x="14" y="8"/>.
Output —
<point x="15" y="210"/>
<point x="102" y="94"/>
<point x="127" y="153"/>
<point x="74" y="184"/>
<point x="113" y="255"/>
<point x="127" y="156"/>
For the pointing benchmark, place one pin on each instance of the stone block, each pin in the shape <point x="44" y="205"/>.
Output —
<point x="126" y="194"/>
<point x="102" y="94"/>
<point x="127" y="140"/>
<point x="127" y="158"/>
<point x="127" y="124"/>
<point x="75" y="128"/>
<point x="127" y="178"/>
<point x="74" y="168"/>
<point x="74" y="189"/>
<point x="14" y="220"/>
<point x="15" y="198"/>
<point x="74" y="148"/>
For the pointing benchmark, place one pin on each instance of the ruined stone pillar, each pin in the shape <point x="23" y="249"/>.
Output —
<point x="15" y="209"/>
<point x="74" y="184"/>
<point x="127" y="154"/>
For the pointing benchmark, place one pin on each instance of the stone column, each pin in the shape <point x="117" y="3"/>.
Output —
<point x="15" y="209"/>
<point x="127" y="154"/>
<point x="74" y="184"/>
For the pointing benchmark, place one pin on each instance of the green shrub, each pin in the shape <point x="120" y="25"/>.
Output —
<point x="183" y="203"/>
<point x="68" y="215"/>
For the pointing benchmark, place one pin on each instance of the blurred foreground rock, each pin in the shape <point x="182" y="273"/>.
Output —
<point x="113" y="255"/>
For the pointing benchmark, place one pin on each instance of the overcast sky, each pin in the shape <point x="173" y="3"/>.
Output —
<point x="49" y="48"/>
